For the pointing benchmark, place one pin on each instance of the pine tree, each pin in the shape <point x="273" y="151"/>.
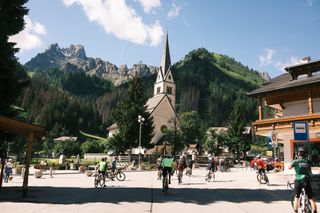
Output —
<point x="235" y="139"/>
<point x="126" y="114"/>
<point x="11" y="23"/>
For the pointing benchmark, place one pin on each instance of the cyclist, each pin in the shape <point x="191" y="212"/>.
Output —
<point x="211" y="165"/>
<point x="182" y="164"/>
<point x="102" y="169"/>
<point x="167" y="166"/>
<point x="302" y="167"/>
<point x="261" y="164"/>
<point x="114" y="167"/>
<point x="221" y="164"/>
<point x="189" y="163"/>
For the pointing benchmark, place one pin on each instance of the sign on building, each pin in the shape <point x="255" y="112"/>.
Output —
<point x="300" y="130"/>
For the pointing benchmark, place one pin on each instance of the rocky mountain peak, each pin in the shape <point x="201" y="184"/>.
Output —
<point x="74" y="58"/>
<point x="75" y="51"/>
<point x="265" y="75"/>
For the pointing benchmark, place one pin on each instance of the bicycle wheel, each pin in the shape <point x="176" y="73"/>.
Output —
<point x="262" y="179"/>
<point x="208" y="177"/>
<point x="96" y="180"/>
<point x="102" y="181"/>
<point x="292" y="199"/>
<point x="165" y="186"/>
<point x="305" y="203"/>
<point x="180" y="177"/>
<point x="120" y="176"/>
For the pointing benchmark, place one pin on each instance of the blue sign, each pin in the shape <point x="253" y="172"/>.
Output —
<point x="300" y="131"/>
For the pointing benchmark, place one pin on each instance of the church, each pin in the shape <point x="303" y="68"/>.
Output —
<point x="161" y="105"/>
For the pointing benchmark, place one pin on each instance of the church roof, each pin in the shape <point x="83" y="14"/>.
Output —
<point x="165" y="61"/>
<point x="154" y="101"/>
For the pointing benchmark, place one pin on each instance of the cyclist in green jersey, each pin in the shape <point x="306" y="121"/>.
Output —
<point x="302" y="167"/>
<point x="167" y="166"/>
<point x="102" y="168"/>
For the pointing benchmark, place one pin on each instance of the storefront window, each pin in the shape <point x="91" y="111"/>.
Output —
<point x="312" y="149"/>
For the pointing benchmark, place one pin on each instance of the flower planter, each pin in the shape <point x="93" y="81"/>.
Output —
<point x="89" y="173"/>
<point x="38" y="173"/>
<point x="82" y="168"/>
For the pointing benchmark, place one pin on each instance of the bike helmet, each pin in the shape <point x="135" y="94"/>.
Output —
<point x="301" y="149"/>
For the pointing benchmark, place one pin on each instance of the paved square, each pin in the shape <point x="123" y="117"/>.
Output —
<point x="235" y="191"/>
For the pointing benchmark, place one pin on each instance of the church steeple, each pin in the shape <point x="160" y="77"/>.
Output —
<point x="165" y="83"/>
<point x="165" y="61"/>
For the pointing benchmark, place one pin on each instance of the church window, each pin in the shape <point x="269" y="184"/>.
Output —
<point x="169" y="90"/>
<point x="158" y="90"/>
<point x="163" y="128"/>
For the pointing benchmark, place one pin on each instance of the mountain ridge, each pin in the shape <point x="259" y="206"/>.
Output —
<point x="74" y="58"/>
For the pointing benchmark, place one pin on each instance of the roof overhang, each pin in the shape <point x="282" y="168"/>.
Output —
<point x="20" y="128"/>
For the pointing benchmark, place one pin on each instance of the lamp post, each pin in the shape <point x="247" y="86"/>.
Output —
<point x="140" y="120"/>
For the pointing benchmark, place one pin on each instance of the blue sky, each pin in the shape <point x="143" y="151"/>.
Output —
<point x="263" y="35"/>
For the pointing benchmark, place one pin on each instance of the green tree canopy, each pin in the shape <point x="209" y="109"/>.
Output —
<point x="191" y="128"/>
<point x="11" y="23"/>
<point x="235" y="139"/>
<point x="125" y="116"/>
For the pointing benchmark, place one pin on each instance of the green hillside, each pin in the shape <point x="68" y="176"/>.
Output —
<point x="208" y="83"/>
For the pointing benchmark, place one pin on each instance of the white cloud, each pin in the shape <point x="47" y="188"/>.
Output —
<point x="148" y="5"/>
<point x="266" y="59"/>
<point x="30" y="37"/>
<point x="293" y="61"/>
<point x="174" y="11"/>
<point x="118" y="18"/>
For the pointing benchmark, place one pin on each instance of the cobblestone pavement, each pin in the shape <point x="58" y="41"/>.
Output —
<point x="235" y="191"/>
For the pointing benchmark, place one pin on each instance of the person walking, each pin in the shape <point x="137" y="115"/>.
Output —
<point x="8" y="170"/>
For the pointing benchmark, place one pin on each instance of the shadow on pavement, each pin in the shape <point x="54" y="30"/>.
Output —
<point x="201" y="196"/>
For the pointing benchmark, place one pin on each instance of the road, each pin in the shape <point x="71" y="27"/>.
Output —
<point x="235" y="191"/>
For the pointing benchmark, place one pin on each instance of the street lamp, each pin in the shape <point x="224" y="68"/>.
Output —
<point x="140" y="120"/>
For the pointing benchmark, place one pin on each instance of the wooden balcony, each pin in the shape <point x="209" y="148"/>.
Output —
<point x="285" y="122"/>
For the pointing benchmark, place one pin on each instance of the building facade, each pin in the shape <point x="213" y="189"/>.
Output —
<point x="289" y="111"/>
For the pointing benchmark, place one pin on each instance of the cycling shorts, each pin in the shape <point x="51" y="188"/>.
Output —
<point x="166" y="170"/>
<point x="260" y="171"/>
<point x="102" y="172"/>
<point x="298" y="185"/>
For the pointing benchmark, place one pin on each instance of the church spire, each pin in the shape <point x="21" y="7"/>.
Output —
<point x="165" y="61"/>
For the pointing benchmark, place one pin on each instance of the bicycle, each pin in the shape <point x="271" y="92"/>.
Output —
<point x="262" y="178"/>
<point x="165" y="183"/>
<point x="118" y="174"/>
<point x="99" y="180"/>
<point x="180" y="173"/>
<point x="224" y="168"/>
<point x="188" y="171"/>
<point x="304" y="203"/>
<point x="210" y="175"/>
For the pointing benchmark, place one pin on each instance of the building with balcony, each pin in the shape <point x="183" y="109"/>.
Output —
<point x="289" y="111"/>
